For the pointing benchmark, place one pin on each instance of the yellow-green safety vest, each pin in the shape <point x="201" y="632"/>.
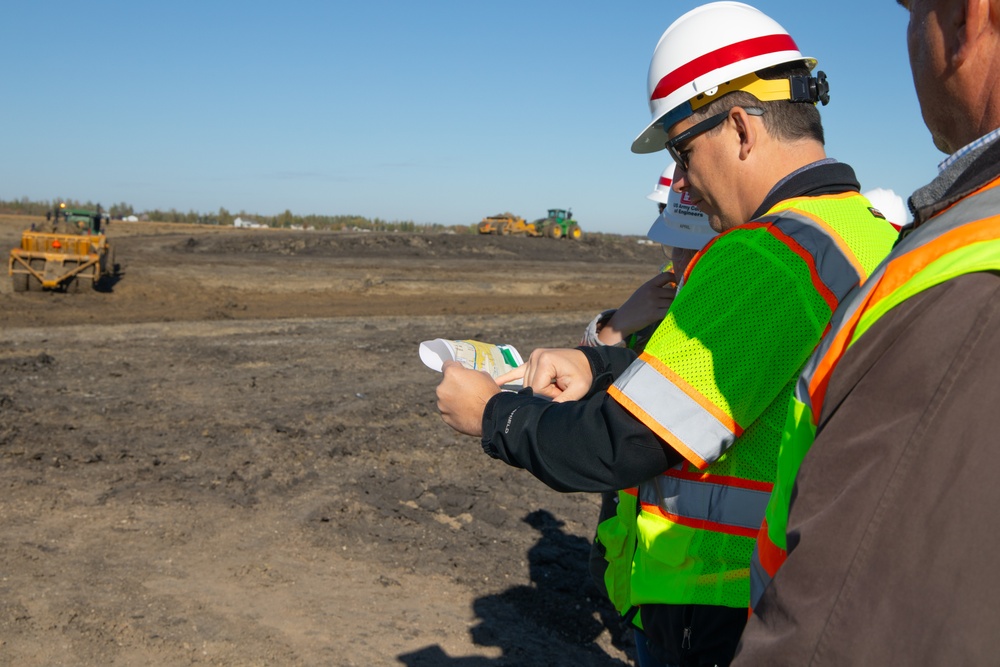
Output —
<point x="715" y="380"/>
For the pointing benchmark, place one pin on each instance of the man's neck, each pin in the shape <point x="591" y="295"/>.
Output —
<point x="790" y="159"/>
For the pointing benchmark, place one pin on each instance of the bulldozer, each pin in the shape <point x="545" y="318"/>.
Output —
<point x="69" y="250"/>
<point x="558" y="224"/>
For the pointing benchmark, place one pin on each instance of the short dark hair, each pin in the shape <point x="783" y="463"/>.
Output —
<point x="783" y="119"/>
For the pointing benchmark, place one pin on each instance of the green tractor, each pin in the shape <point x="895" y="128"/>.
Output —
<point x="559" y="224"/>
<point x="65" y="220"/>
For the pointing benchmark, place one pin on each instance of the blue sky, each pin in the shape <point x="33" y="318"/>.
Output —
<point x="433" y="112"/>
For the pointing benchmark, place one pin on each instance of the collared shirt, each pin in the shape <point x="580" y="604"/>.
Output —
<point x="968" y="148"/>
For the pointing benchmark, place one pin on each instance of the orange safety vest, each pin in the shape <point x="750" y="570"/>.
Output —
<point x="964" y="238"/>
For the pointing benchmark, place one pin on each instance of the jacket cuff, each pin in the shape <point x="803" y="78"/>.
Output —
<point x="602" y="377"/>
<point x="489" y="425"/>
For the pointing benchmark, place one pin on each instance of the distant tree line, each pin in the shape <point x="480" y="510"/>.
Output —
<point x="286" y="219"/>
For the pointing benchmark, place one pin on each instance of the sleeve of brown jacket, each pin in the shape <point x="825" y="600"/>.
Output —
<point x="894" y="530"/>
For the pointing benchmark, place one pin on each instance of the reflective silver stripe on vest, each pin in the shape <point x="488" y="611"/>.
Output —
<point x="970" y="209"/>
<point x="849" y="305"/>
<point x="834" y="268"/>
<point x="706" y="501"/>
<point x="759" y="579"/>
<point x="668" y="405"/>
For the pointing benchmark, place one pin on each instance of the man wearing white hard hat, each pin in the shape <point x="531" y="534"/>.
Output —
<point x="696" y="420"/>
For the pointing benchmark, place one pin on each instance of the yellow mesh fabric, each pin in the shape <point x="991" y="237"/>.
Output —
<point x="757" y="459"/>
<point x="737" y="336"/>
<point x="724" y="578"/>
<point x="713" y="568"/>
<point x="744" y="323"/>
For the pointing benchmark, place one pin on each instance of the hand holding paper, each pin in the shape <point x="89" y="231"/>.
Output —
<point x="462" y="397"/>
<point x="470" y="368"/>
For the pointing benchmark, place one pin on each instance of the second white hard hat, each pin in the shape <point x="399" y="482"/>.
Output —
<point x="681" y="225"/>
<point x="662" y="192"/>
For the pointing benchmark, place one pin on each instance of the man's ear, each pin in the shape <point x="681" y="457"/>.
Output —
<point x="969" y="20"/>
<point x="745" y="130"/>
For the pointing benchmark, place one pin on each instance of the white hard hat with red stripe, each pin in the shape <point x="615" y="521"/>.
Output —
<point x="713" y="50"/>
<point x="681" y="225"/>
<point x="661" y="193"/>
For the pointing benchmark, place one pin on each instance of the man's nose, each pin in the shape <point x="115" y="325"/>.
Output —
<point x="679" y="183"/>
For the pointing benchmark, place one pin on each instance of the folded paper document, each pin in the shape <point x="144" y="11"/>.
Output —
<point x="494" y="359"/>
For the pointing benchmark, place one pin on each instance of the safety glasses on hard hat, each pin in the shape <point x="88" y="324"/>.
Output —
<point x="700" y="128"/>
<point x="799" y="89"/>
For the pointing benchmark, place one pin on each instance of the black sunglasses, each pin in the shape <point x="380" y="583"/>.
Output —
<point x="701" y="128"/>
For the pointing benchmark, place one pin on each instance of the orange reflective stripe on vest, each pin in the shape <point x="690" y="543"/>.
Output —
<point x="897" y="272"/>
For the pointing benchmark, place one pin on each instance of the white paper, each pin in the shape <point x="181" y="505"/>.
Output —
<point x="494" y="359"/>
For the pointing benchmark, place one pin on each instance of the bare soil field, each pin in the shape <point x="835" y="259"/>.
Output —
<point x="234" y="456"/>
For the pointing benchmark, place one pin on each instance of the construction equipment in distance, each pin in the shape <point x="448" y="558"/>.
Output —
<point x="504" y="224"/>
<point x="69" y="250"/>
<point x="558" y="224"/>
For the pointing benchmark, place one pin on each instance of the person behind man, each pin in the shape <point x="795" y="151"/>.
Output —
<point x="684" y="230"/>
<point x="697" y="418"/>
<point x="680" y="225"/>
<point x="890" y="204"/>
<point x="892" y="535"/>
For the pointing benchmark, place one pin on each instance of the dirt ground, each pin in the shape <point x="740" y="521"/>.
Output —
<point x="234" y="458"/>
